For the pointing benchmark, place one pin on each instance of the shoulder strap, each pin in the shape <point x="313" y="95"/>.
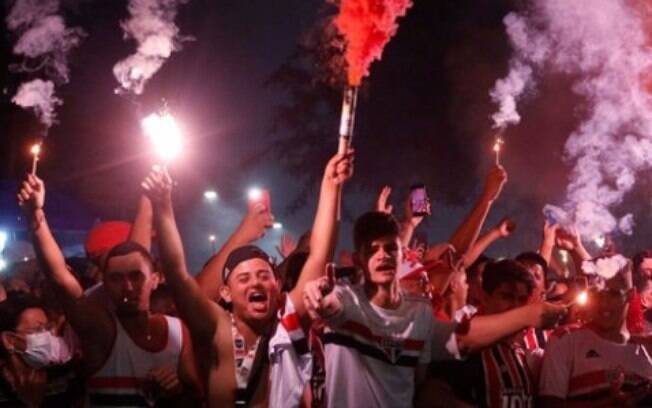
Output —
<point x="244" y="395"/>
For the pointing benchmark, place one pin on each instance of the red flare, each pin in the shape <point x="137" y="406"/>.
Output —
<point x="367" y="26"/>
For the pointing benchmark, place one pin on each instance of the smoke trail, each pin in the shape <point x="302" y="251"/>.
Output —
<point x="604" y="46"/>
<point x="44" y="43"/>
<point x="367" y="26"/>
<point x="151" y="24"/>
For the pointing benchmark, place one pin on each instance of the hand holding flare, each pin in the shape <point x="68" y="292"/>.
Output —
<point x="35" y="150"/>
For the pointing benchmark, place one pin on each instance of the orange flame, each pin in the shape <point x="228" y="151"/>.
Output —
<point x="367" y="26"/>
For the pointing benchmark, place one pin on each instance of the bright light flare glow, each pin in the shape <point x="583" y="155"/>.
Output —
<point x="3" y="264"/>
<point x="3" y="240"/>
<point x="497" y="144"/>
<point x="212" y="238"/>
<point x="582" y="298"/>
<point x="277" y="226"/>
<point x="255" y="194"/>
<point x="35" y="150"/>
<point x="564" y="256"/>
<point x="210" y="195"/>
<point x="165" y="134"/>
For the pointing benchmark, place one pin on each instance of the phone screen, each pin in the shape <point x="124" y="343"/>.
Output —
<point x="419" y="200"/>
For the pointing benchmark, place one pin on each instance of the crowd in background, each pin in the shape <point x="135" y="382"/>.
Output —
<point x="392" y="322"/>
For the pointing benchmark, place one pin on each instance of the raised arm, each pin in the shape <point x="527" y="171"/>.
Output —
<point x="90" y="321"/>
<point x="467" y="233"/>
<point x="31" y="198"/>
<point x="324" y="231"/>
<point x="503" y="230"/>
<point x="570" y="240"/>
<point x="141" y="230"/>
<point x="199" y="313"/>
<point x="253" y="227"/>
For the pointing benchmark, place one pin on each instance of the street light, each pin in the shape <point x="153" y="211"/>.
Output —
<point x="210" y="195"/>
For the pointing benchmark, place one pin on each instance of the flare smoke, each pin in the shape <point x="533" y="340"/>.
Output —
<point x="151" y="24"/>
<point x="43" y="42"/>
<point x="603" y="44"/>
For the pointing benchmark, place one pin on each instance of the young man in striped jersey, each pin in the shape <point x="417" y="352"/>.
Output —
<point x="379" y="341"/>
<point x="501" y="375"/>
<point x="597" y="364"/>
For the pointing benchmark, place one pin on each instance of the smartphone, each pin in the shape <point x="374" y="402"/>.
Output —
<point x="260" y="196"/>
<point x="550" y="216"/>
<point x="419" y="200"/>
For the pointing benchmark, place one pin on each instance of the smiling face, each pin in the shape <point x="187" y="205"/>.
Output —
<point x="380" y="260"/>
<point x="252" y="289"/>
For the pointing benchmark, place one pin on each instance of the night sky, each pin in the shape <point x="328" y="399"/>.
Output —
<point x="424" y="116"/>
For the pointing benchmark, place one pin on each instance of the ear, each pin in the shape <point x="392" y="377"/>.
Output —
<point x="8" y="341"/>
<point x="225" y="293"/>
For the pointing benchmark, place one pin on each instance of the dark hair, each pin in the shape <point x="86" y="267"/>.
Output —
<point x="373" y="225"/>
<point x="290" y="270"/>
<point x="638" y="259"/>
<point x="641" y="282"/>
<point x="474" y="270"/>
<point x="15" y="304"/>
<point x="126" y="248"/>
<point x="532" y="258"/>
<point x="505" y="271"/>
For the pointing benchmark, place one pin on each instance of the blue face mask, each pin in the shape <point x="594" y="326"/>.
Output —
<point x="44" y="349"/>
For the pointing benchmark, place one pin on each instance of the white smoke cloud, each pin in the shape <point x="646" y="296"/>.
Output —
<point x="151" y="24"/>
<point x="39" y="96"/>
<point x="44" y="42"/>
<point x="603" y="45"/>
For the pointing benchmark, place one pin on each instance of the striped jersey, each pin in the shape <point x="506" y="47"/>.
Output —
<point x="371" y="353"/>
<point x="499" y="376"/>
<point x="580" y="365"/>
<point x="290" y="358"/>
<point x="120" y="381"/>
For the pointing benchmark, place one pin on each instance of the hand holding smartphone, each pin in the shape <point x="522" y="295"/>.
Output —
<point x="419" y="201"/>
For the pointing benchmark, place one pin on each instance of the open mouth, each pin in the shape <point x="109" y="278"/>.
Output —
<point x="387" y="267"/>
<point x="257" y="297"/>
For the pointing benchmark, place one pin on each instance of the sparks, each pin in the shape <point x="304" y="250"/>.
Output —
<point x="165" y="134"/>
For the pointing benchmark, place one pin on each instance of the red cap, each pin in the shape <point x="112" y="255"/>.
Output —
<point x="105" y="236"/>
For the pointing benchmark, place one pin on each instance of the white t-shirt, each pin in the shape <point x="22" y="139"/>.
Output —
<point x="579" y="364"/>
<point x="372" y="353"/>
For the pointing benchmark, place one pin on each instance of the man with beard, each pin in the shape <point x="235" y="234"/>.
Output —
<point x="236" y="342"/>
<point x="387" y="338"/>
<point x="596" y="364"/>
<point x="132" y="357"/>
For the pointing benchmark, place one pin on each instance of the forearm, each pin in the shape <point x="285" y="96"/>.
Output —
<point x="486" y="330"/>
<point x="210" y="277"/>
<point x="322" y="243"/>
<point x="545" y="250"/>
<point x="467" y="233"/>
<point x="193" y="305"/>
<point x="407" y="231"/>
<point x="141" y="230"/>
<point x="480" y="246"/>
<point x="50" y="256"/>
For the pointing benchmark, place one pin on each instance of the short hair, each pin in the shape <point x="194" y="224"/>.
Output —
<point x="373" y="225"/>
<point x="641" y="282"/>
<point x="506" y="271"/>
<point x="638" y="259"/>
<point x="532" y="258"/>
<point x="126" y="248"/>
<point x="474" y="269"/>
<point x="15" y="304"/>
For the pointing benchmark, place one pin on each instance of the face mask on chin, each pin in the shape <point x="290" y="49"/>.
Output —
<point x="44" y="349"/>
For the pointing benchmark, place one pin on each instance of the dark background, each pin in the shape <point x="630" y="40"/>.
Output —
<point x="247" y="93"/>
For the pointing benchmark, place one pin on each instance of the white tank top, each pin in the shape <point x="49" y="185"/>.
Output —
<point x="119" y="383"/>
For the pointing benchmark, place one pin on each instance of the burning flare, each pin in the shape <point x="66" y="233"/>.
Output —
<point x="163" y="131"/>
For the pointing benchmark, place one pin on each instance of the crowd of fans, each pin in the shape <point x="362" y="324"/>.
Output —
<point x="394" y="322"/>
